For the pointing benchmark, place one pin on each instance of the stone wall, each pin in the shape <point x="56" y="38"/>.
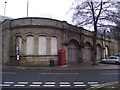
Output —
<point x="48" y="28"/>
<point x="0" y="44"/>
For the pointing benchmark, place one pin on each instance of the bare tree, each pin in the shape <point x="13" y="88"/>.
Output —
<point x="115" y="30"/>
<point x="112" y="16"/>
<point x="94" y="13"/>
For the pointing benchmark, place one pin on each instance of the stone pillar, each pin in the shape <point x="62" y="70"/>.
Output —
<point x="36" y="46"/>
<point x="0" y="53"/>
<point x="6" y="46"/>
<point x="0" y="45"/>
<point x="48" y="45"/>
<point x="24" y="45"/>
<point x="81" y="48"/>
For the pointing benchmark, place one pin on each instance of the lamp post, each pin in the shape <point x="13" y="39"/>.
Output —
<point x="27" y="7"/>
<point x="4" y="10"/>
<point x="1" y="44"/>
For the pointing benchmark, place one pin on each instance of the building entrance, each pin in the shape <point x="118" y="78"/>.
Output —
<point x="73" y="51"/>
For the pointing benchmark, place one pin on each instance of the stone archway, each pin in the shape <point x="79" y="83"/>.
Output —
<point x="106" y="51"/>
<point x="87" y="55"/>
<point x="98" y="52"/>
<point x="73" y="51"/>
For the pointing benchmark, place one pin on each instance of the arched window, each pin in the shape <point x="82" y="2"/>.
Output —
<point x="18" y="42"/>
<point x="42" y="45"/>
<point x="30" y="45"/>
<point x="106" y="52"/>
<point x="53" y="45"/>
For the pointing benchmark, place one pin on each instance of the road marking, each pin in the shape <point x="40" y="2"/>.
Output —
<point x="4" y="85"/>
<point x="80" y="85"/>
<point x="48" y="85"/>
<point x="113" y="87"/>
<point x="107" y="84"/>
<point x="59" y="73"/>
<point x="110" y="73"/>
<point x="49" y="82"/>
<point x="16" y="85"/>
<point x="94" y="85"/>
<point x="65" y="85"/>
<point x="9" y="82"/>
<point x="22" y="82"/>
<point x="8" y="72"/>
<point x="52" y="84"/>
<point x="37" y="83"/>
<point x="64" y="82"/>
<point x="92" y="82"/>
<point x="34" y="85"/>
<point x="103" y="85"/>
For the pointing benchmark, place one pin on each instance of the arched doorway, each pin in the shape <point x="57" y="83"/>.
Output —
<point x="106" y="52"/>
<point x="73" y="51"/>
<point x="87" y="55"/>
<point x="98" y="52"/>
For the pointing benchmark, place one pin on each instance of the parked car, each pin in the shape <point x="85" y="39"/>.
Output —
<point x="118" y="54"/>
<point x="111" y="59"/>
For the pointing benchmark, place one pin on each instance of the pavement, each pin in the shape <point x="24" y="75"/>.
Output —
<point x="75" y="66"/>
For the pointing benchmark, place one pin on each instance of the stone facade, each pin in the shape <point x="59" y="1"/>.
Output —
<point x="0" y="44"/>
<point x="37" y="32"/>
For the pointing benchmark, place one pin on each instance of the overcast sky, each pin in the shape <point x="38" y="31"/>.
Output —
<point x="56" y="9"/>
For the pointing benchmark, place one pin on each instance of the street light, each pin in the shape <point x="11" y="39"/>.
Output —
<point x="4" y="10"/>
<point x="27" y="7"/>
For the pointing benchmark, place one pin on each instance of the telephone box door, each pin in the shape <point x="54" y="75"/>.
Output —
<point x="61" y="57"/>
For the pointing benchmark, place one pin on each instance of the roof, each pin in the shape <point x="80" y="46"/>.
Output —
<point x="2" y="18"/>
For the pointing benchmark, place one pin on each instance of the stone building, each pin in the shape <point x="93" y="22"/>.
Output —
<point x="0" y="44"/>
<point x="39" y="40"/>
<point x="2" y="18"/>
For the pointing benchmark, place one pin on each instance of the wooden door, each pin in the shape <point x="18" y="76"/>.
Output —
<point x="87" y="53"/>
<point x="72" y="53"/>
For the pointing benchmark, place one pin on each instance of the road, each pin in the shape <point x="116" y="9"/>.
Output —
<point x="57" y="78"/>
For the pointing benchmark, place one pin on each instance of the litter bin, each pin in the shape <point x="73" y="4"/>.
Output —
<point x="51" y="62"/>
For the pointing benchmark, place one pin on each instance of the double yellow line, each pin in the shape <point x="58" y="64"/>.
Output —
<point x="103" y="85"/>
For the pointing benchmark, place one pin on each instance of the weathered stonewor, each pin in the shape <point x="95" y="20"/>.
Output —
<point x="39" y="40"/>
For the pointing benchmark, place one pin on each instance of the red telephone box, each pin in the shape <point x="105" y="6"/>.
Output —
<point x="61" y="57"/>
